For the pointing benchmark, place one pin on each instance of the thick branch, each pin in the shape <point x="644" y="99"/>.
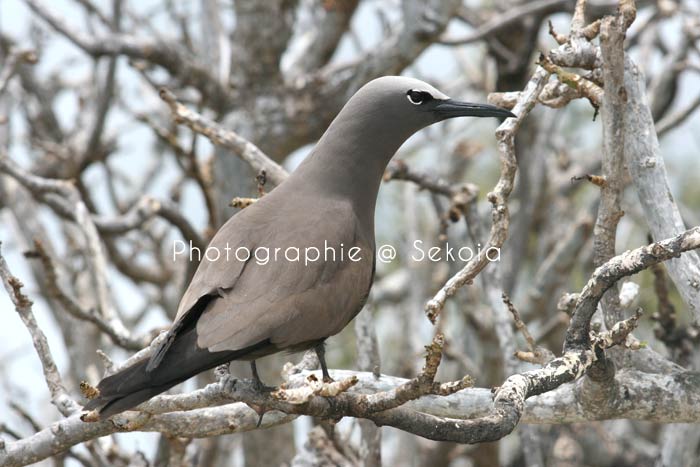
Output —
<point x="647" y="170"/>
<point x="638" y="396"/>
<point x="609" y="212"/>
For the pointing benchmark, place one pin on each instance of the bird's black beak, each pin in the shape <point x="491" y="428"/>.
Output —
<point x="451" y="108"/>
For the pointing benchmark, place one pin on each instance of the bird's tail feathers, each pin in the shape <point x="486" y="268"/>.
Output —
<point x="126" y="389"/>
<point x="136" y="384"/>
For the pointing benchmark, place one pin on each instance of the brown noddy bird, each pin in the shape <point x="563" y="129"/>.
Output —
<point x="240" y="307"/>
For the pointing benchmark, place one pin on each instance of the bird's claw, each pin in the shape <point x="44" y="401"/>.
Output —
<point x="259" y="386"/>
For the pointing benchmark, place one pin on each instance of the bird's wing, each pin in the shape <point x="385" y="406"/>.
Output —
<point x="219" y="270"/>
<point x="291" y="302"/>
<point x="284" y="301"/>
<point x="215" y="274"/>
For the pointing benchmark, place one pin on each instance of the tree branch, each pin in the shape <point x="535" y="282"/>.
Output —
<point x="226" y="138"/>
<point x="626" y="264"/>
<point x="23" y="306"/>
<point x="505" y="135"/>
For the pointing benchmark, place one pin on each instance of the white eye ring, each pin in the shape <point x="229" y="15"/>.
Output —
<point x="410" y="98"/>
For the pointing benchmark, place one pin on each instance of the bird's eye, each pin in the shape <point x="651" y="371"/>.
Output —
<point x="418" y="97"/>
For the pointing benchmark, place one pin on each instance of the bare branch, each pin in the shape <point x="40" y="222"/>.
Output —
<point x="584" y="87"/>
<point x="534" y="353"/>
<point x="502" y="20"/>
<point x="675" y="119"/>
<point x="119" y="335"/>
<point x="325" y="35"/>
<point x="498" y="197"/>
<point x="609" y="212"/>
<point x="626" y="264"/>
<point x="23" y="306"/>
<point x="12" y="62"/>
<point x="648" y="174"/>
<point x="226" y="138"/>
<point x="173" y="58"/>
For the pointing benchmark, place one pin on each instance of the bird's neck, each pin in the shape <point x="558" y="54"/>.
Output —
<point x="344" y="165"/>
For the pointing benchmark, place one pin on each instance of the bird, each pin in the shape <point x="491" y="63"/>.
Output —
<point x="245" y="309"/>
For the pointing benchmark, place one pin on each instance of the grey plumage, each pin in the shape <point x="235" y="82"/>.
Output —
<point x="243" y="310"/>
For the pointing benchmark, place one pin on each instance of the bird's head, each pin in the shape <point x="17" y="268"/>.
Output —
<point x="372" y="126"/>
<point x="407" y="105"/>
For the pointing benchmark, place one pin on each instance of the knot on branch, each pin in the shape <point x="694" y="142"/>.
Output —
<point x="424" y="383"/>
<point x="620" y="334"/>
<point x="627" y="10"/>
<point x="241" y="202"/>
<point x="567" y="303"/>
<point x="534" y="354"/>
<point x="433" y="357"/>
<point x="313" y="387"/>
<point x="582" y="86"/>
<point x="597" y="180"/>
<point x="432" y="310"/>
<point x="21" y="300"/>
<point x="89" y="391"/>
<point x="308" y="362"/>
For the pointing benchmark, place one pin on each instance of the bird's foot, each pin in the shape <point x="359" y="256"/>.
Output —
<point x="261" y="387"/>
<point x="258" y="385"/>
<point x="326" y="376"/>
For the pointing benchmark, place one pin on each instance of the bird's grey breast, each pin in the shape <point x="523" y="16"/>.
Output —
<point x="308" y="273"/>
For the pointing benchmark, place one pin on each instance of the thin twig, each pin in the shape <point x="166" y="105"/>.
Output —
<point x="119" y="335"/>
<point x="23" y="306"/>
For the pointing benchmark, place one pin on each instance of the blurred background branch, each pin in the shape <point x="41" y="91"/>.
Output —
<point x="102" y="170"/>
